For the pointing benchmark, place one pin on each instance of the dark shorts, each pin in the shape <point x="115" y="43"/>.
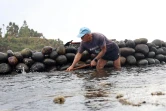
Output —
<point x="112" y="54"/>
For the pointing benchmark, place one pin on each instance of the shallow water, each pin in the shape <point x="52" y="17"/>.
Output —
<point x="85" y="90"/>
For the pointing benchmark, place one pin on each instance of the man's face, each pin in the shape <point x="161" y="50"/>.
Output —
<point x="85" y="38"/>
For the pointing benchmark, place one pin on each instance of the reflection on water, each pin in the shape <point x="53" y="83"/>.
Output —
<point x="86" y="90"/>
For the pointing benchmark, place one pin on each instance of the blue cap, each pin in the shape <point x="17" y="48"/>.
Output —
<point x="83" y="31"/>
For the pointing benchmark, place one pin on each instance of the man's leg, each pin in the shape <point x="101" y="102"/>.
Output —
<point x="117" y="64"/>
<point x="100" y="64"/>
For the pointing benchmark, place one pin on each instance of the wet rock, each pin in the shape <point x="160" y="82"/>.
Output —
<point x="160" y="57"/>
<point x="53" y="55"/>
<point x="61" y="59"/>
<point x="70" y="56"/>
<point x="12" y="60"/>
<point x="28" y="61"/>
<point x="150" y="60"/>
<point x="126" y="51"/>
<point x="46" y="50"/>
<point x="26" y="53"/>
<point x="142" y="48"/>
<point x="3" y="57"/>
<point x="151" y="54"/>
<point x="142" y="62"/>
<point x="20" y="67"/>
<point x="109" y="64"/>
<point x="49" y="62"/>
<point x="157" y="61"/>
<point x="37" y="67"/>
<point x="38" y="56"/>
<point x="139" y="56"/>
<point x="71" y="50"/>
<point x="131" y="60"/>
<point x="5" y="68"/>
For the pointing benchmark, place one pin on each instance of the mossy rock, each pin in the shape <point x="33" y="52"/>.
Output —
<point x="26" y="53"/>
<point x="61" y="50"/>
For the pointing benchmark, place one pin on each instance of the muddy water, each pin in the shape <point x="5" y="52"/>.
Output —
<point x="86" y="90"/>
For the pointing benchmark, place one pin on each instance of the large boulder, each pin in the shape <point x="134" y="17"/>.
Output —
<point x="142" y="62"/>
<point x="71" y="50"/>
<point x="157" y="42"/>
<point x="37" y="67"/>
<point x="139" y="56"/>
<point x="53" y="55"/>
<point x="160" y="57"/>
<point x="18" y="56"/>
<point x="49" y="62"/>
<point x="20" y="67"/>
<point x="47" y="50"/>
<point x="61" y="60"/>
<point x="131" y="60"/>
<point x="5" y="68"/>
<point x="26" y="53"/>
<point x="126" y="51"/>
<point x="61" y="50"/>
<point x="142" y="48"/>
<point x="151" y="54"/>
<point x="3" y="57"/>
<point x="12" y="60"/>
<point x="70" y="57"/>
<point x="38" y="56"/>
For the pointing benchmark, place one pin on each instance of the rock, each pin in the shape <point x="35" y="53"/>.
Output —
<point x="18" y="56"/>
<point x="130" y="44"/>
<point x="38" y="56"/>
<point x="46" y="50"/>
<point x="5" y="68"/>
<point x="122" y="60"/>
<point x="139" y="56"/>
<point x="26" y="53"/>
<point x="49" y="62"/>
<point x="142" y="48"/>
<point x="3" y="57"/>
<point x="131" y="60"/>
<point x="121" y="44"/>
<point x="151" y="54"/>
<point x="70" y="57"/>
<point x="10" y="53"/>
<point x="126" y="51"/>
<point x="61" y="50"/>
<point x="20" y="67"/>
<point x="157" y="42"/>
<point x="85" y="56"/>
<point x="71" y="50"/>
<point x="53" y="55"/>
<point x="142" y="62"/>
<point x="150" y="60"/>
<point x="37" y="67"/>
<point x="12" y="60"/>
<point x="28" y="61"/>
<point x="61" y="59"/>
<point x="160" y="57"/>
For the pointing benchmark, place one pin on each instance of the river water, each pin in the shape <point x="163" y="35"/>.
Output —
<point x="86" y="90"/>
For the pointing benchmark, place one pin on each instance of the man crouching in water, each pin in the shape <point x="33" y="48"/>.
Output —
<point x="98" y="44"/>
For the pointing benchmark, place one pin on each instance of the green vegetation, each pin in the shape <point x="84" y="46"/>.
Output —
<point x="16" y="38"/>
<point x="36" y="44"/>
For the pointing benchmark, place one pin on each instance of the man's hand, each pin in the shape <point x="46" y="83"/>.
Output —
<point x="93" y="63"/>
<point x="70" y="68"/>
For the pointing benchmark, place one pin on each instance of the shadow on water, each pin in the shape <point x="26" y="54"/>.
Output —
<point x="132" y="88"/>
